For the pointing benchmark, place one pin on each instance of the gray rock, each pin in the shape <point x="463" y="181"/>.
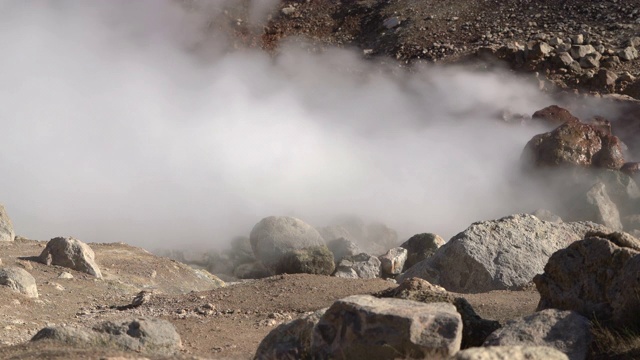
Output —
<point x="6" y="226"/>
<point x="590" y="61"/>
<point x="342" y="248"/>
<point x="563" y="59"/>
<point x="361" y="266"/>
<point x="511" y="353"/>
<point x="498" y="254"/>
<point x="420" y="247"/>
<point x="580" y="51"/>
<point x="70" y="253"/>
<point x="316" y="260"/>
<point x="393" y="261"/>
<point x="563" y="48"/>
<point x="566" y="331"/>
<point x="627" y="54"/>
<point x="594" y="277"/>
<point x="555" y="41"/>
<point x="19" y="280"/>
<point x="364" y="327"/>
<point x="275" y="236"/>
<point x="605" y="78"/>
<point x="577" y="39"/>
<point x="596" y="206"/>
<point x="291" y="340"/>
<point x="147" y="335"/>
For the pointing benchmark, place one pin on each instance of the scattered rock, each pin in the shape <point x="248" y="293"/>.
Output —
<point x="19" y="280"/>
<point x="363" y="266"/>
<point x="420" y="247"/>
<point x="566" y="331"/>
<point x="393" y="261"/>
<point x="70" y="253"/>
<point x="364" y="327"/>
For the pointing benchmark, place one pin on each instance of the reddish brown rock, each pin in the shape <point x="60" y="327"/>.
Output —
<point x="554" y="115"/>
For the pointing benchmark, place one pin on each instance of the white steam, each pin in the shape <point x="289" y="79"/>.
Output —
<point x="120" y="123"/>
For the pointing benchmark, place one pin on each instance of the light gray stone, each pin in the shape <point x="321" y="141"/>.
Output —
<point x="566" y="331"/>
<point x="498" y="254"/>
<point x="70" y="253"/>
<point x="361" y="266"/>
<point x="6" y="226"/>
<point x="627" y="54"/>
<point x="580" y="51"/>
<point x="511" y="353"/>
<point x="19" y="280"/>
<point x="393" y="261"/>
<point x="364" y="327"/>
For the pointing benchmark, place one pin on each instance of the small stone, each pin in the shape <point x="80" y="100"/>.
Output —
<point x="65" y="275"/>
<point x="577" y="39"/>
<point x="627" y="54"/>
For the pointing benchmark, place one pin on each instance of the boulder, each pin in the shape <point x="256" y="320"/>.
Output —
<point x="361" y="266"/>
<point x="596" y="206"/>
<point x="566" y="331"/>
<point x="364" y="327"/>
<point x="420" y="247"/>
<point x="474" y="330"/>
<point x="342" y="247"/>
<point x="393" y="261"/>
<point x="291" y="340"/>
<point x="511" y="353"/>
<point x="498" y="254"/>
<point x="316" y="260"/>
<point x="19" y="280"/>
<point x="275" y="236"/>
<point x="146" y="335"/>
<point x="595" y="278"/>
<point x="574" y="144"/>
<point x="70" y="253"/>
<point x="6" y="226"/>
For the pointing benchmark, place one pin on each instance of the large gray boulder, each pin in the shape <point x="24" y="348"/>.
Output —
<point x="364" y="327"/>
<point x="566" y="331"/>
<point x="594" y="277"/>
<point x="146" y="335"/>
<point x="19" y="280"/>
<point x="291" y="340"/>
<point x="6" y="226"/>
<point x="420" y="247"/>
<point x="498" y="254"/>
<point x="511" y="353"/>
<point x="70" y="253"/>
<point x="275" y="236"/>
<point x="361" y="266"/>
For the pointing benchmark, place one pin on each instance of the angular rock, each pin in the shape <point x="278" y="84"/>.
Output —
<point x="627" y="54"/>
<point x="596" y="206"/>
<point x="342" y="248"/>
<point x="147" y="335"/>
<point x="590" y="61"/>
<point x="420" y="247"/>
<point x="566" y="331"/>
<point x="275" y="236"/>
<point x="316" y="260"/>
<point x="70" y="253"/>
<point x="563" y="59"/>
<point x="6" y="226"/>
<point x="474" y="330"/>
<point x="19" y="280"/>
<point x="605" y="78"/>
<point x="580" y="51"/>
<point x="595" y="278"/>
<point x="362" y="266"/>
<point x="291" y="340"/>
<point x="498" y="254"/>
<point x="393" y="261"/>
<point x="511" y="353"/>
<point x="364" y="327"/>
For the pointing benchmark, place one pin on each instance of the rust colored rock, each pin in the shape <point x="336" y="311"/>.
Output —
<point x="554" y="115"/>
<point x="575" y="144"/>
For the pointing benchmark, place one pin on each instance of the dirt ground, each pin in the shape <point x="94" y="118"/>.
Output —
<point x="214" y="322"/>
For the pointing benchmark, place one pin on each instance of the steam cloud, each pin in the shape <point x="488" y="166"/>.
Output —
<point x="118" y="127"/>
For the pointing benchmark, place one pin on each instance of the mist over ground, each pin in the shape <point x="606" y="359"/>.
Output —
<point x="127" y="121"/>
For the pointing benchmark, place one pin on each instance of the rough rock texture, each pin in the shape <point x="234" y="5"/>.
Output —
<point x="475" y="329"/>
<point x="19" y="280"/>
<point x="314" y="260"/>
<point x="364" y="327"/>
<point x="363" y="266"/>
<point x="147" y="335"/>
<point x="6" y="227"/>
<point x="498" y="254"/>
<point x="291" y="340"/>
<point x="596" y="206"/>
<point x="594" y="277"/>
<point x="275" y="236"/>
<point x="70" y="253"/>
<point x="554" y="115"/>
<point x="393" y="261"/>
<point x="574" y="144"/>
<point x="421" y="247"/>
<point x="342" y="248"/>
<point x="566" y="331"/>
<point x="511" y="353"/>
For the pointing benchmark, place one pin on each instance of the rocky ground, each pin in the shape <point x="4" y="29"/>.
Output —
<point x="584" y="47"/>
